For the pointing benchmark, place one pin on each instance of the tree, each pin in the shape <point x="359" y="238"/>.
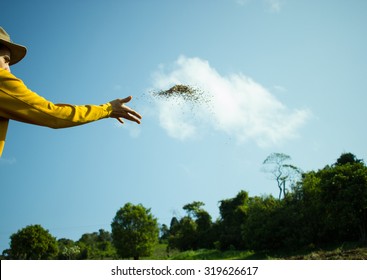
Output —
<point x="262" y="229"/>
<point x="193" y="231"/>
<point x="68" y="250"/>
<point x="347" y="158"/>
<point x="183" y="236"/>
<point x="203" y="222"/>
<point x="193" y="208"/>
<point x="134" y="231"/>
<point x="343" y="193"/>
<point x="205" y="233"/>
<point x="334" y="202"/>
<point x="163" y="233"/>
<point x="233" y="214"/>
<point x="96" y="245"/>
<point x="280" y="171"/>
<point x="307" y="195"/>
<point x="33" y="243"/>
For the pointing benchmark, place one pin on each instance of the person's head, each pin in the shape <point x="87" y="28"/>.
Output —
<point x="5" y="58"/>
<point x="10" y="53"/>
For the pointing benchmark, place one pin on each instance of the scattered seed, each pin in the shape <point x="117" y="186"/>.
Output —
<point x="185" y="92"/>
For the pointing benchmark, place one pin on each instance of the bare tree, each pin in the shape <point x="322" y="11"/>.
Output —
<point x="280" y="171"/>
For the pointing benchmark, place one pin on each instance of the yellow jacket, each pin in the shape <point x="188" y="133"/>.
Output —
<point x="19" y="103"/>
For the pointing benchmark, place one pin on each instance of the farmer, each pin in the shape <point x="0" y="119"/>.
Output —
<point x="19" y="103"/>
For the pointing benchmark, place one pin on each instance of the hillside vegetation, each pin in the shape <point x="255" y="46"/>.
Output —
<point x="318" y="215"/>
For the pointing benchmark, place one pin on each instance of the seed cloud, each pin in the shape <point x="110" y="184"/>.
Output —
<point x="235" y="105"/>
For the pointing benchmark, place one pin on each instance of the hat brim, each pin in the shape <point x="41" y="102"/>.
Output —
<point x="18" y="52"/>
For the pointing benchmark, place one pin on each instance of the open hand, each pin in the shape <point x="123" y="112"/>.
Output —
<point x="120" y="111"/>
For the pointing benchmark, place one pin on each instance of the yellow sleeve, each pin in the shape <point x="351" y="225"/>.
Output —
<point x="19" y="103"/>
<point x="3" y="128"/>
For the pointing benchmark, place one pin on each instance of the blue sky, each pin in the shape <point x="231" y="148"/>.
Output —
<point x="282" y="76"/>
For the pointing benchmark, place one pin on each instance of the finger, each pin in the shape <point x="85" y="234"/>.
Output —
<point x="127" y="109"/>
<point x="126" y="99"/>
<point x="120" y="120"/>
<point x="132" y="118"/>
<point x="134" y="113"/>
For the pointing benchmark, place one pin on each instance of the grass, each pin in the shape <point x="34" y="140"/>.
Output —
<point x="205" y="254"/>
<point x="341" y="252"/>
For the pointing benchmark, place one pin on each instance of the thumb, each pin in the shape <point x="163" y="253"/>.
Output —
<point x="127" y="99"/>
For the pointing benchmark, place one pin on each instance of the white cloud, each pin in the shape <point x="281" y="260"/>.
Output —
<point x="274" y="6"/>
<point x="242" y="2"/>
<point x="133" y="130"/>
<point x="175" y="118"/>
<point x="234" y="104"/>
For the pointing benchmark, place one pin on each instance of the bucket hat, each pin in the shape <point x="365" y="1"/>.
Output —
<point x="17" y="51"/>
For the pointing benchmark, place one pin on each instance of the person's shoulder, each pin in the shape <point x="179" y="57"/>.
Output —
<point x="6" y="73"/>
<point x="7" y="79"/>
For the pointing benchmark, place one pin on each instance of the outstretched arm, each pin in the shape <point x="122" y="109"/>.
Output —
<point x="19" y="103"/>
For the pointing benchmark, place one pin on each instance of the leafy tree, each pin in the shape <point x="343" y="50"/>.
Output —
<point x="96" y="245"/>
<point x="307" y="197"/>
<point x="262" y="229"/>
<point x="183" y="236"/>
<point x="203" y="223"/>
<point x="68" y="250"/>
<point x="174" y="226"/>
<point x="33" y="243"/>
<point x="192" y="231"/>
<point x="164" y="233"/>
<point x="344" y="196"/>
<point x="193" y="208"/>
<point x="346" y="158"/>
<point x="281" y="172"/>
<point x="334" y="202"/>
<point x="134" y="231"/>
<point x="104" y="236"/>
<point x="88" y="246"/>
<point x="233" y="214"/>
<point x="205" y="231"/>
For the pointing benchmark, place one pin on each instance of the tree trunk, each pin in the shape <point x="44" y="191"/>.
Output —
<point x="283" y="189"/>
<point x="280" y="188"/>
